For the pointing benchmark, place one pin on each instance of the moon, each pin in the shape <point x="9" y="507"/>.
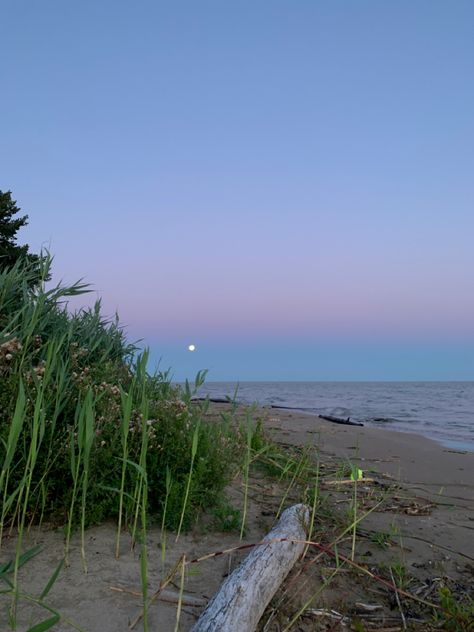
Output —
<point x="192" y="348"/>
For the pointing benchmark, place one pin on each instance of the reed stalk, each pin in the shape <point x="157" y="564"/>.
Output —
<point x="181" y="590"/>
<point x="75" y="466"/>
<point x="298" y="468"/>
<point x="86" y="438"/>
<point x="355" y="473"/>
<point x="194" y="447"/>
<point x="37" y="432"/>
<point x="127" y="403"/>
<point x="16" y="427"/>
<point x="247" y="461"/>
<point x="163" y="517"/>
<point x="314" y="504"/>
<point x="144" y="554"/>
<point x="142" y="464"/>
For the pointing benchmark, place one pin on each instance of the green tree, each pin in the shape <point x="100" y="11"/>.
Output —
<point x="10" y="251"/>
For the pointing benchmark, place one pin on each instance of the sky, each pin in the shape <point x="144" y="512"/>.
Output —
<point x="288" y="185"/>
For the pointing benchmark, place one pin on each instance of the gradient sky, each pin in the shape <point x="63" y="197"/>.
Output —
<point x="287" y="184"/>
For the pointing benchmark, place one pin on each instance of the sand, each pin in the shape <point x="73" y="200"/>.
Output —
<point x="432" y="472"/>
<point x="433" y="519"/>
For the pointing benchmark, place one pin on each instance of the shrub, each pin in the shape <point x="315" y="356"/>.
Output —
<point x="61" y="360"/>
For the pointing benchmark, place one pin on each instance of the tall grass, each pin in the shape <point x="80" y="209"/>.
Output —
<point x="10" y="449"/>
<point x="86" y="432"/>
<point x="34" y="445"/>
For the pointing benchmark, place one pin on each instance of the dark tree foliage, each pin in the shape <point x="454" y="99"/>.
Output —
<point x="10" y="251"/>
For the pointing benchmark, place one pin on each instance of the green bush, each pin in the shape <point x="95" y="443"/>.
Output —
<point x="61" y="360"/>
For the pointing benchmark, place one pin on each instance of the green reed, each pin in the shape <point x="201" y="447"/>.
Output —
<point x="355" y="472"/>
<point x="168" y="482"/>
<point x="75" y="464"/>
<point x="249" y="432"/>
<point x="37" y="432"/>
<point x="127" y="404"/>
<point x="68" y="378"/>
<point x="315" y="500"/>
<point x="141" y="467"/>
<point x="144" y="553"/>
<point x="181" y="590"/>
<point x="194" y="447"/>
<point x="85" y="438"/>
<point x="12" y="440"/>
<point x="298" y="466"/>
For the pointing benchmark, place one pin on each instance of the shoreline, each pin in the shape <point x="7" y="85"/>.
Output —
<point x="455" y="447"/>
<point x="441" y="411"/>
<point x="414" y="453"/>
<point x="443" y="477"/>
<point x="451" y="445"/>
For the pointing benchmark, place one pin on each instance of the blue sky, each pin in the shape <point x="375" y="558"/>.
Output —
<point x="286" y="184"/>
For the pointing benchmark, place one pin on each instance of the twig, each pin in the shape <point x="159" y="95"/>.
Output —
<point x="181" y="589"/>
<point x="348" y="481"/>
<point x="155" y="596"/>
<point x="331" y="614"/>
<point x="165" y="595"/>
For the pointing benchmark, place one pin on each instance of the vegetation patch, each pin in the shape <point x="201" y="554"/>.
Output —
<point x="86" y="432"/>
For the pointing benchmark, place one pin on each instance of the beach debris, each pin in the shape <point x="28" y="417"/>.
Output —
<point x="331" y="614"/>
<point x="244" y="595"/>
<point x="169" y="596"/>
<point x="367" y="607"/>
<point x="419" y="510"/>
<point x="349" y="481"/>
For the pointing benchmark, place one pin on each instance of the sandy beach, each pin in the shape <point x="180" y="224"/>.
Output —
<point x="428" y="512"/>
<point x="440" y="475"/>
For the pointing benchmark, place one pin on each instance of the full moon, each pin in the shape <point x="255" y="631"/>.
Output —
<point x="192" y="348"/>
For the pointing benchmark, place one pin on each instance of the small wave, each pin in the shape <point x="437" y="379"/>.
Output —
<point x="338" y="411"/>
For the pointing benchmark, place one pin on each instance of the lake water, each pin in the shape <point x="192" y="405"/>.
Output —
<point x="443" y="411"/>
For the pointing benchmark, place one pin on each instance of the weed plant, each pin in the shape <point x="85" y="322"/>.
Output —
<point x="226" y="518"/>
<point x="456" y="615"/>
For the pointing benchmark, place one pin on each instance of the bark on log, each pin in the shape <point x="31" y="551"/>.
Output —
<point x="244" y="595"/>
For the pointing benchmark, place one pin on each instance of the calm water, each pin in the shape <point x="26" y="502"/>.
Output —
<point x="443" y="411"/>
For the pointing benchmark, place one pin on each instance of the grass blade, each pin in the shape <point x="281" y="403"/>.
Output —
<point x="47" y="624"/>
<point x="52" y="580"/>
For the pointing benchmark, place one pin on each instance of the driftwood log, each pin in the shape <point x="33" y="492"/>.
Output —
<point x="214" y="400"/>
<point x="244" y="595"/>
<point x="340" y="420"/>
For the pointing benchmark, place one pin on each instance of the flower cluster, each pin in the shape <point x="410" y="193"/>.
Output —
<point x="8" y="350"/>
